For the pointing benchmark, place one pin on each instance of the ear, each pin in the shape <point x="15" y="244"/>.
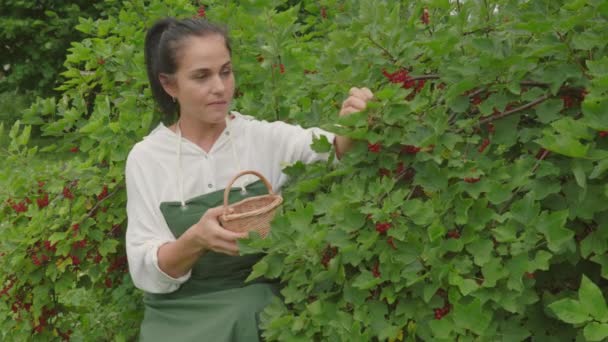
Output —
<point x="168" y="83"/>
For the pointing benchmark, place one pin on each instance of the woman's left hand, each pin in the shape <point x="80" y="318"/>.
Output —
<point x="356" y="101"/>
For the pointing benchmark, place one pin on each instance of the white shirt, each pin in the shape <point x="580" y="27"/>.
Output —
<point x="152" y="177"/>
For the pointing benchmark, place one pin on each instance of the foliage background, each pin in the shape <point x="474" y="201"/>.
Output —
<point x="473" y="207"/>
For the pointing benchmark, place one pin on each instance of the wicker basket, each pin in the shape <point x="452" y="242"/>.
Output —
<point x="253" y="213"/>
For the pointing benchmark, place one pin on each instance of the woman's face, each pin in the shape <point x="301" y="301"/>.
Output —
<point x="203" y="83"/>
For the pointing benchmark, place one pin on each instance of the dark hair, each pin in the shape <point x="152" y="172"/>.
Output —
<point x="161" y="49"/>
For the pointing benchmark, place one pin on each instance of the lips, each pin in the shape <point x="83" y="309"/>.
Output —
<point x="216" y="103"/>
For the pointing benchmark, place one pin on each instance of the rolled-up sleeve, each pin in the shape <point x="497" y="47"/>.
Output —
<point x="145" y="234"/>
<point x="288" y="144"/>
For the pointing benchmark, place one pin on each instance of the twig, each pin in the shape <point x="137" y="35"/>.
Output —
<point x="542" y="156"/>
<point x="534" y="84"/>
<point x="485" y="30"/>
<point x="478" y="91"/>
<point x="424" y="77"/>
<point x="390" y="56"/>
<point x="515" y="110"/>
<point x="90" y="213"/>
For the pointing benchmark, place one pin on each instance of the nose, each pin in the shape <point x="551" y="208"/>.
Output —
<point x="218" y="86"/>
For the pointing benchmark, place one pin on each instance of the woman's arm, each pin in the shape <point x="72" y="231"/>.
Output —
<point x="158" y="263"/>
<point x="177" y="258"/>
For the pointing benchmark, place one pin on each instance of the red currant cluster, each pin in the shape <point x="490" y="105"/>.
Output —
<point x="67" y="193"/>
<point x="328" y="254"/>
<point x="410" y="149"/>
<point x="399" y="169"/>
<point x="383" y="227"/>
<point x="425" y="16"/>
<point x="484" y="144"/>
<point x="201" y="12"/>
<point x="376" y="270"/>
<point x="38" y="252"/>
<point x="453" y="234"/>
<point x="402" y="76"/>
<point x="19" y="207"/>
<point x="441" y="312"/>
<point x="390" y="242"/>
<point x="374" y="148"/>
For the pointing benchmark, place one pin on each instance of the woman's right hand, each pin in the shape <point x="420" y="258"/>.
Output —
<point x="210" y="235"/>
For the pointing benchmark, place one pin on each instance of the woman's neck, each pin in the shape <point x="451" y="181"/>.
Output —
<point x="203" y="134"/>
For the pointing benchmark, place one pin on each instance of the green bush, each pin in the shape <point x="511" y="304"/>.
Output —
<point x="472" y="208"/>
<point x="11" y="105"/>
<point x="35" y="37"/>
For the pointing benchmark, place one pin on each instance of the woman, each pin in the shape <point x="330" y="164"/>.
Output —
<point x="179" y="255"/>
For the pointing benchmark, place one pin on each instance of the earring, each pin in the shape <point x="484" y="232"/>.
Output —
<point x="173" y="97"/>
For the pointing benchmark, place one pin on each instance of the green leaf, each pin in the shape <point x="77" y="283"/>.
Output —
<point x="431" y="177"/>
<point x="492" y="271"/>
<point x="420" y="212"/>
<point x="24" y="137"/>
<point x="602" y="260"/>
<point x="592" y="300"/>
<point x="259" y="269"/>
<point x="366" y="280"/>
<point x="595" y="331"/>
<point x="576" y="129"/>
<point x="579" y="173"/>
<point x="570" y="311"/>
<point x="526" y="209"/>
<point x="321" y="144"/>
<point x="594" y="243"/>
<point x="549" y="110"/>
<point x="436" y="231"/>
<point x="14" y="130"/>
<point x="594" y="110"/>
<point x="441" y="328"/>
<point x="499" y="193"/>
<point x="599" y="169"/>
<point x="552" y="227"/>
<point x="563" y="144"/>
<point x="461" y="209"/>
<point x="481" y="250"/>
<point x="275" y="265"/>
<point x="472" y="316"/>
<point x="107" y="246"/>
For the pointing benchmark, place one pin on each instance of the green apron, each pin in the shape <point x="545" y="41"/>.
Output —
<point x="215" y="304"/>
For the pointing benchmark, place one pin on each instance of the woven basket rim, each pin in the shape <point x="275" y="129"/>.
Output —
<point x="240" y="174"/>
<point x="277" y="200"/>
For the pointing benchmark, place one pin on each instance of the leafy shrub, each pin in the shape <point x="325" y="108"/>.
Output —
<point x="473" y="206"/>
<point x="35" y="36"/>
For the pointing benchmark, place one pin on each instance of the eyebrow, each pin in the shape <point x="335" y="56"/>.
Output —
<point x="207" y="69"/>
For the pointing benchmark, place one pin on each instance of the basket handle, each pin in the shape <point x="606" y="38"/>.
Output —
<point x="242" y="173"/>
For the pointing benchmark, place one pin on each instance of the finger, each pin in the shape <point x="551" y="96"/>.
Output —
<point x="215" y="212"/>
<point x="368" y="93"/>
<point x="355" y="102"/>
<point x="230" y="248"/>
<point x="353" y="91"/>
<point x="359" y="93"/>
<point x="348" y="110"/>
<point x="229" y="235"/>
<point x="362" y="93"/>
